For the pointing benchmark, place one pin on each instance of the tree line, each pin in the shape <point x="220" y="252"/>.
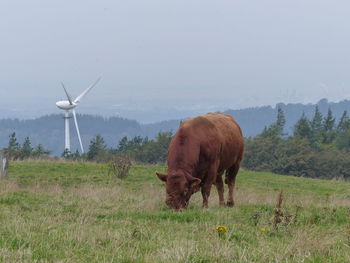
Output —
<point x="17" y="151"/>
<point x="142" y="150"/>
<point x="319" y="147"/>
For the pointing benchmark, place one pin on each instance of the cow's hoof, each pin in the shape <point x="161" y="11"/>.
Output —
<point x="230" y="204"/>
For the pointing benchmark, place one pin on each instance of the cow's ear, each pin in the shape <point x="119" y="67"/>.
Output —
<point x="162" y="177"/>
<point x="195" y="184"/>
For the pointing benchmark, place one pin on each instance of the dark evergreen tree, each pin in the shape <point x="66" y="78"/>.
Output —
<point x="275" y="130"/>
<point x="13" y="149"/>
<point x="97" y="147"/>
<point x="13" y="144"/>
<point x="39" y="151"/>
<point x="329" y="121"/>
<point x="302" y="128"/>
<point x="343" y="133"/>
<point x="281" y="120"/>
<point x="316" y="126"/>
<point x="26" y="149"/>
<point x="342" y="141"/>
<point x="123" y="144"/>
<point x="344" y="123"/>
<point x="328" y="134"/>
<point x="316" y="122"/>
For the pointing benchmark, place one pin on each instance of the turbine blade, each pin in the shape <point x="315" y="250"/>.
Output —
<point x="82" y="95"/>
<point x="77" y="127"/>
<point x="68" y="96"/>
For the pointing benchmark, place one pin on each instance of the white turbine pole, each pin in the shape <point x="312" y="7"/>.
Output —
<point x="67" y="135"/>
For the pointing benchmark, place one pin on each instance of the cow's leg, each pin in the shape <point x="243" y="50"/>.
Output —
<point x="211" y="178"/>
<point x="231" y="174"/>
<point x="220" y="188"/>
<point x="205" y="194"/>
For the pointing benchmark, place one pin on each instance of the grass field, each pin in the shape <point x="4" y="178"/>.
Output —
<point x="75" y="212"/>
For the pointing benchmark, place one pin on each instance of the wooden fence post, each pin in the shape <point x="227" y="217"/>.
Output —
<point x="3" y="165"/>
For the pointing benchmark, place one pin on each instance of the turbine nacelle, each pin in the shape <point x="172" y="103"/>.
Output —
<point x="65" y="105"/>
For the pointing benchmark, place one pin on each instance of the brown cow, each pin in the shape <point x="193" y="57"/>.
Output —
<point x="199" y="153"/>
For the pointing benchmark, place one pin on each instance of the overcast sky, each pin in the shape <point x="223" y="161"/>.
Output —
<point x="170" y="54"/>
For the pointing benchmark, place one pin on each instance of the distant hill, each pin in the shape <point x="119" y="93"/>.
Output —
<point x="49" y="130"/>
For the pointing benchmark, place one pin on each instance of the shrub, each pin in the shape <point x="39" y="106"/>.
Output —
<point x="119" y="165"/>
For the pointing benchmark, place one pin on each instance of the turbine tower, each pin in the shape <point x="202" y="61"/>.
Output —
<point x="69" y="106"/>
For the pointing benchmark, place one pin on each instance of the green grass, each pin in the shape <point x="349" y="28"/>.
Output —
<point x="75" y="212"/>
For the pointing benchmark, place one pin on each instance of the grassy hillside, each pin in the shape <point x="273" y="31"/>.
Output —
<point x="75" y="212"/>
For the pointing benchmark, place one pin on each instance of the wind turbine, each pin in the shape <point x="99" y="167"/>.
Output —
<point x="69" y="106"/>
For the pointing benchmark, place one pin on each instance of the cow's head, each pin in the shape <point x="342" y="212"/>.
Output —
<point x="179" y="188"/>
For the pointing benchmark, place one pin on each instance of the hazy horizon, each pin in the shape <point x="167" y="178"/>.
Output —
<point x="166" y="57"/>
<point x="149" y="115"/>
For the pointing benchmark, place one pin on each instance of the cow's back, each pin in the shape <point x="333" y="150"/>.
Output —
<point x="218" y="137"/>
<point x="231" y="138"/>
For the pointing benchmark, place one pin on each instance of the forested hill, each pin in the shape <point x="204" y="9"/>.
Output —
<point x="49" y="130"/>
<point x="253" y="120"/>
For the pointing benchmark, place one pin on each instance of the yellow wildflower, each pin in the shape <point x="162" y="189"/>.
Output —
<point x="221" y="229"/>
<point x="263" y="229"/>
